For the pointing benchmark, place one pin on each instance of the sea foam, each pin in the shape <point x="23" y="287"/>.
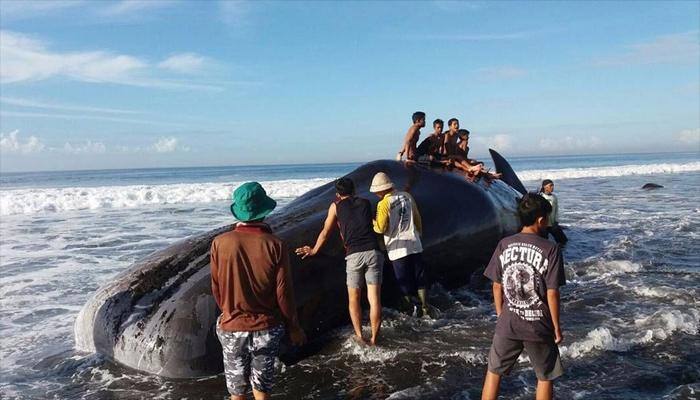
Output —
<point x="31" y="201"/>
<point x="610" y="171"/>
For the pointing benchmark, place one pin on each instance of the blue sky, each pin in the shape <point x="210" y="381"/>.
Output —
<point x="149" y="84"/>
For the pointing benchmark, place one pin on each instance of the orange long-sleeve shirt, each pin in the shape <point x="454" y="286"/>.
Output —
<point x="251" y="279"/>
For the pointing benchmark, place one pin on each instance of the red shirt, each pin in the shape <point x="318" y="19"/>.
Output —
<point x="251" y="279"/>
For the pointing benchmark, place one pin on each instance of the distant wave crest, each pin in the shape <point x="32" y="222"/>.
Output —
<point x="31" y="201"/>
<point x="611" y="171"/>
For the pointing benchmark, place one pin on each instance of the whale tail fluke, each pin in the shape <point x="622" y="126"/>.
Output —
<point x="507" y="174"/>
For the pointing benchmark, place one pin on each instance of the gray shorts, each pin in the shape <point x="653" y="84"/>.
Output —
<point x="544" y="357"/>
<point x="249" y="357"/>
<point x="364" y="266"/>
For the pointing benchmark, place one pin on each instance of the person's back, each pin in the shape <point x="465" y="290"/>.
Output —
<point x="355" y="224"/>
<point x="248" y="262"/>
<point x="402" y="236"/>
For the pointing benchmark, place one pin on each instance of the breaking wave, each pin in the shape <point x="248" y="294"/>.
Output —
<point x="611" y="171"/>
<point x="31" y="201"/>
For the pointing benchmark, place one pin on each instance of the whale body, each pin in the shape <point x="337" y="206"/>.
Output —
<point x="159" y="315"/>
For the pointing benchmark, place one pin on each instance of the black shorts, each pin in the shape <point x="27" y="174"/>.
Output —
<point x="544" y="357"/>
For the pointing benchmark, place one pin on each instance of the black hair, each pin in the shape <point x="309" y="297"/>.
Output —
<point x="345" y="186"/>
<point x="451" y="121"/>
<point x="439" y="121"/>
<point x="463" y="132"/>
<point x="418" y="115"/>
<point x="545" y="183"/>
<point x="531" y="207"/>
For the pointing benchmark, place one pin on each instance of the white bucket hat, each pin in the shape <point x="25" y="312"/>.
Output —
<point x="380" y="182"/>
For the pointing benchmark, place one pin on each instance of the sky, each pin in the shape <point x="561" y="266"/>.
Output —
<point x="133" y="84"/>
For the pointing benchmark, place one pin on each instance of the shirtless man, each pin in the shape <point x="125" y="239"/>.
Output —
<point x="450" y="143"/>
<point x="431" y="148"/>
<point x="411" y="139"/>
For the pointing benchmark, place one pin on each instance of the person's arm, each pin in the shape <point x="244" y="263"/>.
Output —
<point x="328" y="225"/>
<point x="497" y="297"/>
<point x="553" y="303"/>
<point x="214" y="264"/>
<point x="555" y="278"/>
<point x="285" y="299"/>
<point x="381" y="222"/>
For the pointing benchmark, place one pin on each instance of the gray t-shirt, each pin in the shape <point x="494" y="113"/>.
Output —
<point x="526" y="265"/>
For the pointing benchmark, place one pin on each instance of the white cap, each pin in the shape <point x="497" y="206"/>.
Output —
<point x="380" y="182"/>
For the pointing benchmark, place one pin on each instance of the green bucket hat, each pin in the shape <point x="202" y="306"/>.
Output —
<point x="250" y="202"/>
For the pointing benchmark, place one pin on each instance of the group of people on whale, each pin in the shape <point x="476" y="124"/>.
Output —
<point x="449" y="149"/>
<point x="252" y="283"/>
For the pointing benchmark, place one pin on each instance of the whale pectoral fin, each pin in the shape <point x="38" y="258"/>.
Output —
<point x="507" y="174"/>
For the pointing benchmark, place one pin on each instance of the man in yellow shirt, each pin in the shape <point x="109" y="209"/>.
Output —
<point x="399" y="221"/>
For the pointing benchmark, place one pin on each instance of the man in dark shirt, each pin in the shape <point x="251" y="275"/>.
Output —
<point x="527" y="270"/>
<point x="252" y="285"/>
<point x="364" y="261"/>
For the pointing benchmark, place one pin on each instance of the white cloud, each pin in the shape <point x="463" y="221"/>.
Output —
<point x="690" y="136"/>
<point x="505" y="72"/>
<point x="234" y="13"/>
<point x="680" y="48"/>
<point x="28" y="59"/>
<point x="569" y="144"/>
<point x="185" y="63"/>
<point x="10" y="143"/>
<point x="168" y="145"/>
<point x="27" y="8"/>
<point x="88" y="147"/>
<point x="29" y="103"/>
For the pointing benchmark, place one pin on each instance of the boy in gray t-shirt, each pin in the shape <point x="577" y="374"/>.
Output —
<point x="528" y="269"/>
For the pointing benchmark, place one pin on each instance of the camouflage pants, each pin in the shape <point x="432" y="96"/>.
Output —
<point x="249" y="357"/>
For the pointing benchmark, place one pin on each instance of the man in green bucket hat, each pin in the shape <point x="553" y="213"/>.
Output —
<point x="252" y="284"/>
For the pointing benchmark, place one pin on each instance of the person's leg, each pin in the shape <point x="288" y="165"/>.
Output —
<point x="374" y="297"/>
<point x="545" y="390"/>
<point x="545" y="360"/>
<point x="237" y="359"/>
<point x="355" y="280"/>
<point x="422" y="284"/>
<point x="373" y="277"/>
<point x="503" y="355"/>
<point x="404" y="279"/>
<point x="265" y="348"/>
<point x="355" y="309"/>
<point x="492" y="384"/>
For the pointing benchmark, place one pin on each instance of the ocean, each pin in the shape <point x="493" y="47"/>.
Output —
<point x="630" y="309"/>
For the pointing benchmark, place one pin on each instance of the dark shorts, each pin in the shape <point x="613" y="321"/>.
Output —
<point x="544" y="357"/>
<point x="249" y="357"/>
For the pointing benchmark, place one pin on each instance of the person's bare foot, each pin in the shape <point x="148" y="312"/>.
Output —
<point x="373" y="342"/>
<point x="359" y="340"/>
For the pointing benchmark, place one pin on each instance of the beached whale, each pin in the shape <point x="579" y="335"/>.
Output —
<point x="158" y="316"/>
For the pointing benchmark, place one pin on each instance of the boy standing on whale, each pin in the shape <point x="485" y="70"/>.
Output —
<point x="252" y="285"/>
<point x="526" y="270"/>
<point x="411" y="140"/>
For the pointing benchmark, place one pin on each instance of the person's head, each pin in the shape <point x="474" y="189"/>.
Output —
<point x="533" y="211"/>
<point x="344" y="187"/>
<point x="251" y="203"/>
<point x="453" y="124"/>
<point x="419" y="118"/>
<point x="463" y="134"/>
<point x="438" y="125"/>
<point x="547" y="186"/>
<point x="381" y="184"/>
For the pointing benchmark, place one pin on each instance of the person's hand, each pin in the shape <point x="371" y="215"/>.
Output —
<point x="297" y="336"/>
<point x="398" y="156"/>
<point x="558" y="337"/>
<point x="305" y="251"/>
